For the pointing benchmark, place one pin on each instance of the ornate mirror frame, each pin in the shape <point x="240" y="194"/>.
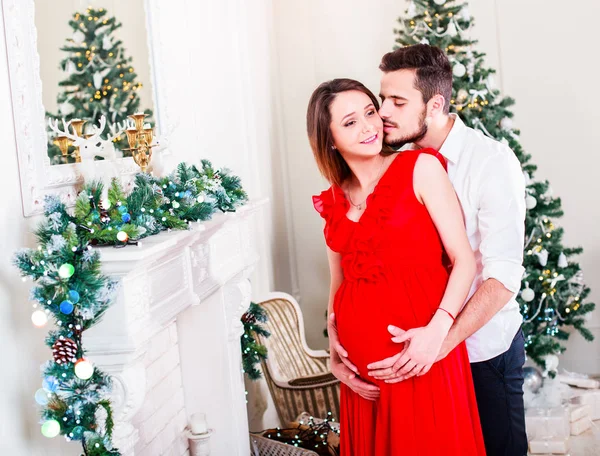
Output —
<point x="39" y="178"/>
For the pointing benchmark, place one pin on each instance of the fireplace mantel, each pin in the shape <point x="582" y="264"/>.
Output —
<point x="171" y="340"/>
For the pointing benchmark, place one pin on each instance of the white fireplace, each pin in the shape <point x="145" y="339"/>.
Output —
<point x="171" y="340"/>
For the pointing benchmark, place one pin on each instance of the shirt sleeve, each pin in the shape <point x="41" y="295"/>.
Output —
<point x="501" y="219"/>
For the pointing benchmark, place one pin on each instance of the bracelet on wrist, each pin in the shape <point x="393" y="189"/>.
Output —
<point x="449" y="314"/>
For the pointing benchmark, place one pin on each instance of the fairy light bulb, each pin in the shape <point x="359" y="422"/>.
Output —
<point x="84" y="369"/>
<point x="39" y="318"/>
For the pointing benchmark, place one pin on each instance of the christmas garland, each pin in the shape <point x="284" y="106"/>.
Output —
<point x="71" y="289"/>
<point x="252" y="351"/>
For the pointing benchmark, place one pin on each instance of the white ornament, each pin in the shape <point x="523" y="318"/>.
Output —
<point x="530" y="202"/>
<point x="465" y="14"/>
<point x="412" y="10"/>
<point x="97" y="80"/>
<point x="107" y="43"/>
<point x="506" y="124"/>
<point x="70" y="67"/>
<point x="84" y="369"/>
<point x="66" y="109"/>
<point x="551" y="364"/>
<point x="543" y="257"/>
<point x="459" y="70"/>
<point x="101" y="30"/>
<point x="491" y="82"/>
<point x="424" y="41"/>
<point x="39" y="318"/>
<point x="527" y="294"/>
<point x="200" y="198"/>
<point x="99" y="76"/>
<point x="439" y="2"/>
<point x="451" y="30"/>
<point x="562" y="261"/>
<point x="78" y="37"/>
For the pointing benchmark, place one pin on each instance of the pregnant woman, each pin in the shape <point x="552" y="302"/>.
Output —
<point x="389" y="217"/>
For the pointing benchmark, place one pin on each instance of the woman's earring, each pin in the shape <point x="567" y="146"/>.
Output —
<point x="333" y="147"/>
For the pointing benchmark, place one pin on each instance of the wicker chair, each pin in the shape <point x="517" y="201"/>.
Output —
<point x="262" y="446"/>
<point x="299" y="378"/>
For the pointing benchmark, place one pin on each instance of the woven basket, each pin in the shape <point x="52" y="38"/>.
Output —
<point x="262" y="446"/>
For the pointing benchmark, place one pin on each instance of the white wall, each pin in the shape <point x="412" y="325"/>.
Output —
<point x="543" y="61"/>
<point x="554" y="78"/>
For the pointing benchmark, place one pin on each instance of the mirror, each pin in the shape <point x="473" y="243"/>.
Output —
<point x="94" y="61"/>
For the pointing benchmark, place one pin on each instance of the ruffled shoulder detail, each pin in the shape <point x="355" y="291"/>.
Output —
<point x="332" y="206"/>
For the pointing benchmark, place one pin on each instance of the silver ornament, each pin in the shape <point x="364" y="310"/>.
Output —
<point x="533" y="379"/>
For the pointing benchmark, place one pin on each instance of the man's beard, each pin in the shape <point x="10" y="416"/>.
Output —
<point x="410" y="138"/>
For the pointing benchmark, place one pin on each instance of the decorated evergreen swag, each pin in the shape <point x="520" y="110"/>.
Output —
<point x="71" y="289"/>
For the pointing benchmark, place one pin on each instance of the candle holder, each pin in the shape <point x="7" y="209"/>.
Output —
<point x="140" y="140"/>
<point x="199" y="443"/>
<point x="63" y="142"/>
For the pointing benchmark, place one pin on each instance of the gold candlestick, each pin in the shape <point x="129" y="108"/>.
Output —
<point x="63" y="144"/>
<point x="140" y="140"/>
<point x="77" y="125"/>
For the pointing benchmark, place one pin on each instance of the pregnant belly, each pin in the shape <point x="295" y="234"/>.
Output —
<point x="365" y="310"/>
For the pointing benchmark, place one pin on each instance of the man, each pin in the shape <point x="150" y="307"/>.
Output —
<point x="488" y="180"/>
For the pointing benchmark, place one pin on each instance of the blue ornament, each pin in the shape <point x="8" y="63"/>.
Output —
<point x="73" y="296"/>
<point x="77" y="432"/>
<point x="95" y="215"/>
<point x="122" y="209"/>
<point x="66" y="307"/>
<point x="126" y="218"/>
<point x="41" y="397"/>
<point x="187" y="193"/>
<point x="50" y="384"/>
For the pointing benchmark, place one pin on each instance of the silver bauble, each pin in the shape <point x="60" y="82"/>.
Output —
<point x="533" y="379"/>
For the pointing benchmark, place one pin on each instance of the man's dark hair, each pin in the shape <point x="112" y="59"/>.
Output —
<point x="433" y="70"/>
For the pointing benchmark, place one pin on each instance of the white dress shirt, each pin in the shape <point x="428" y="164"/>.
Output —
<point x="489" y="182"/>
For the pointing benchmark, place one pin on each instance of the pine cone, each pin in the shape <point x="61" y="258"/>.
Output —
<point x="64" y="350"/>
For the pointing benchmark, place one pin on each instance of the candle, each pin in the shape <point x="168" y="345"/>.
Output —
<point x="198" y="423"/>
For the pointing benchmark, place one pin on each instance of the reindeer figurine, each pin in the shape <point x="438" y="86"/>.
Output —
<point x="91" y="147"/>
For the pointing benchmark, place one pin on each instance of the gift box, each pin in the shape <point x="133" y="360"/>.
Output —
<point x="547" y="423"/>
<point x="580" y="381"/>
<point x="578" y="412"/>
<point x="558" y="446"/>
<point x="581" y="425"/>
<point x="587" y="397"/>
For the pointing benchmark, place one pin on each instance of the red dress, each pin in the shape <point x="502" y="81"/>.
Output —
<point x="394" y="274"/>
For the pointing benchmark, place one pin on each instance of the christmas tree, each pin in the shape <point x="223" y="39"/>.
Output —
<point x="99" y="78"/>
<point x="553" y="294"/>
